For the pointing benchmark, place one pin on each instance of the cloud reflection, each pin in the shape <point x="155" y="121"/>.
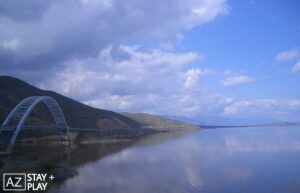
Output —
<point x="230" y="159"/>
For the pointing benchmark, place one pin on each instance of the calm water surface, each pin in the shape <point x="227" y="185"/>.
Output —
<point x="229" y="160"/>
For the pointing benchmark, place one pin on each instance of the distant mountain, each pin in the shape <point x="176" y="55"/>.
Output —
<point x="78" y="115"/>
<point x="275" y="124"/>
<point x="281" y="124"/>
<point x="216" y="120"/>
<point x="149" y="121"/>
<point x="208" y="120"/>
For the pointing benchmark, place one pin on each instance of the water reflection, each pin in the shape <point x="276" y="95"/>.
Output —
<point x="227" y="160"/>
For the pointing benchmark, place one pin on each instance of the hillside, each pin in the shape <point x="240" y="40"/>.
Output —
<point x="78" y="115"/>
<point x="149" y="121"/>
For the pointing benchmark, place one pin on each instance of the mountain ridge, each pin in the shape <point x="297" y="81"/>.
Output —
<point x="79" y="115"/>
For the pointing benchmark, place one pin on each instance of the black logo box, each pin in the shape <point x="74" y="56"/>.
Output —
<point x="14" y="182"/>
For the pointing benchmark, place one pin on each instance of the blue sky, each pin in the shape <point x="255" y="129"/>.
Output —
<point x="213" y="61"/>
<point x="247" y="40"/>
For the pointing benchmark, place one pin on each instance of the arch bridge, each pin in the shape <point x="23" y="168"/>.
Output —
<point x="9" y="132"/>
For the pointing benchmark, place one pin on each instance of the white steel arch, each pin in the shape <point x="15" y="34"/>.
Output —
<point x="21" y="112"/>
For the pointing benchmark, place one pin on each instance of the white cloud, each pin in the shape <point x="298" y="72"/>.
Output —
<point x="290" y="56"/>
<point x="287" y="55"/>
<point x="184" y="104"/>
<point x="135" y="79"/>
<point x="122" y="70"/>
<point x="296" y="67"/>
<point x="55" y="31"/>
<point x="192" y="77"/>
<point x="11" y="44"/>
<point x="132" y="78"/>
<point x="232" y="80"/>
<point x="68" y="44"/>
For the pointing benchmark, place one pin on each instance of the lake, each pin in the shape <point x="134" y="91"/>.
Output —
<point x="223" y="160"/>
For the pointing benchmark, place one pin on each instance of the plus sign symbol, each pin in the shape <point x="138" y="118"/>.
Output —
<point x="51" y="177"/>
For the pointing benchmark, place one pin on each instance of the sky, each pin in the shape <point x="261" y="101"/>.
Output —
<point x="208" y="61"/>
